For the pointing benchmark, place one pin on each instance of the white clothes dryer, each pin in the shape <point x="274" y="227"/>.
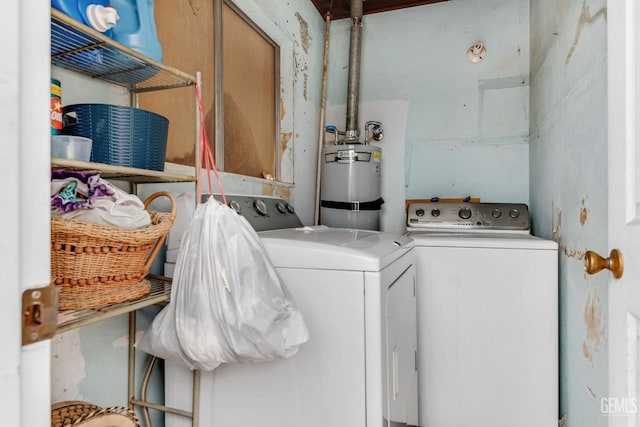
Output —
<point x="356" y="292"/>
<point x="487" y="316"/>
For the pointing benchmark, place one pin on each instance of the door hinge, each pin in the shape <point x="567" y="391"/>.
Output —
<point x="39" y="314"/>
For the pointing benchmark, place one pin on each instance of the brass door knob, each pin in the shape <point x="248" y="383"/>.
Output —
<point x="594" y="263"/>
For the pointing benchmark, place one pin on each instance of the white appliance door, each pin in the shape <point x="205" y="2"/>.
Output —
<point x="323" y="385"/>
<point x="488" y="337"/>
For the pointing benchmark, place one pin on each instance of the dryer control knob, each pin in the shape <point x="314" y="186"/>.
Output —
<point x="464" y="213"/>
<point x="280" y="206"/>
<point x="496" y="213"/>
<point x="235" y="206"/>
<point x="290" y="208"/>
<point x="514" y="213"/>
<point x="260" y="207"/>
<point x="435" y="212"/>
<point x="420" y="212"/>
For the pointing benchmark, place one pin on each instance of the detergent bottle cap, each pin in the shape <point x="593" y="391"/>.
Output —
<point x="102" y="18"/>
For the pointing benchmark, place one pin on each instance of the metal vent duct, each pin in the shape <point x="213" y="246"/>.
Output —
<point x="353" y="89"/>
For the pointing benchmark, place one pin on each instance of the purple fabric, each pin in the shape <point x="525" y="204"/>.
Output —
<point x="71" y="197"/>
<point x="64" y="174"/>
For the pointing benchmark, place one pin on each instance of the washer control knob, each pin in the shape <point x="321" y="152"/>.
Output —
<point x="281" y="207"/>
<point x="260" y="207"/>
<point x="420" y="212"/>
<point x="435" y="212"/>
<point x="234" y="205"/>
<point x="514" y="213"/>
<point x="496" y="213"/>
<point x="464" y="213"/>
<point x="290" y="208"/>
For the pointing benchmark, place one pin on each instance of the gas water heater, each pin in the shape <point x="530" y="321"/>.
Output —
<point x="350" y="184"/>
<point x="350" y="172"/>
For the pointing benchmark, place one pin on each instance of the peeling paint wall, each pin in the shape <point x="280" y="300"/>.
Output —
<point x="299" y="30"/>
<point x="465" y="127"/>
<point x="568" y="186"/>
<point x="90" y="364"/>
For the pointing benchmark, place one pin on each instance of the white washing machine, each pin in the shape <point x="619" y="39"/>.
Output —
<point x="356" y="292"/>
<point x="487" y="316"/>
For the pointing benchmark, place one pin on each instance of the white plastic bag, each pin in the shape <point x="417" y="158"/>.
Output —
<point x="228" y="303"/>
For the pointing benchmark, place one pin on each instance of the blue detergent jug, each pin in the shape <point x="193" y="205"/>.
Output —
<point x="97" y="14"/>
<point x="136" y="27"/>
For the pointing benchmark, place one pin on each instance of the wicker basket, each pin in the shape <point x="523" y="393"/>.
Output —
<point x="78" y="413"/>
<point x="95" y="265"/>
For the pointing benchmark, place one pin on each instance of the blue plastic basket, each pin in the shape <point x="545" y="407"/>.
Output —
<point x="121" y="136"/>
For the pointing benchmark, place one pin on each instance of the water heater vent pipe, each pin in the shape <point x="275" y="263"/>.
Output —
<point x="353" y="89"/>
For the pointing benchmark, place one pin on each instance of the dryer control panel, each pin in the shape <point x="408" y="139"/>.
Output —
<point x="469" y="216"/>
<point x="262" y="212"/>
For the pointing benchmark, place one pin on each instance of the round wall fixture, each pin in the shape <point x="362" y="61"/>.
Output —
<point x="476" y="53"/>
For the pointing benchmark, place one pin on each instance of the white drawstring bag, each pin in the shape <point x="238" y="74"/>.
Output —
<point x="228" y="303"/>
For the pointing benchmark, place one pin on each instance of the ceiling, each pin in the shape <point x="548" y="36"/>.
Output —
<point x="341" y="8"/>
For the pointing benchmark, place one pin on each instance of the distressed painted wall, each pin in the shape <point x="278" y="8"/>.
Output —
<point x="299" y="30"/>
<point x="569" y="186"/>
<point x="463" y="128"/>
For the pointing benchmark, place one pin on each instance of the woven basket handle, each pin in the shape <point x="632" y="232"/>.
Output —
<point x="160" y="240"/>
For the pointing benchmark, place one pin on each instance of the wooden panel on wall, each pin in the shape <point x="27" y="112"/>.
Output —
<point x="249" y="98"/>
<point x="185" y="30"/>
